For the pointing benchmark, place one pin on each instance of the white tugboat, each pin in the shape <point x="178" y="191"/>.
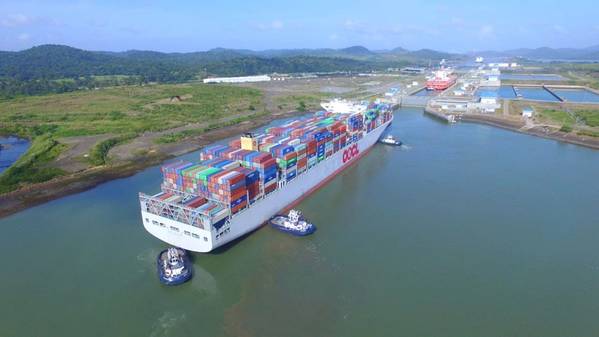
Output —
<point x="293" y="223"/>
<point x="174" y="266"/>
<point x="390" y="140"/>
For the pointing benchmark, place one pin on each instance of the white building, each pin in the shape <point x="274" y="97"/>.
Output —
<point x="488" y="99"/>
<point x="486" y="104"/>
<point x="527" y="112"/>
<point x="499" y="65"/>
<point x="240" y="79"/>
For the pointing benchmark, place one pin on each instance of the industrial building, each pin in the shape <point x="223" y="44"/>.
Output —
<point x="527" y="112"/>
<point x="240" y="79"/>
<point x="413" y="70"/>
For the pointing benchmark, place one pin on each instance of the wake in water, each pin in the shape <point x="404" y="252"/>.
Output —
<point x="166" y="322"/>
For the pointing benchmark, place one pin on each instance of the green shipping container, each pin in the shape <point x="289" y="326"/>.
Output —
<point x="204" y="174"/>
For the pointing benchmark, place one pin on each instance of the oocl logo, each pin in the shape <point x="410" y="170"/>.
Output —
<point x="350" y="152"/>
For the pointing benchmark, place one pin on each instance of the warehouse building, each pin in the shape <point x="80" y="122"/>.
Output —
<point x="240" y="79"/>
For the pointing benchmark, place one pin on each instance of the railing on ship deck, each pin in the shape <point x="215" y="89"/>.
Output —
<point x="172" y="211"/>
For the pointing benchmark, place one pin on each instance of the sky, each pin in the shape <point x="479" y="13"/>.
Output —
<point x="184" y="26"/>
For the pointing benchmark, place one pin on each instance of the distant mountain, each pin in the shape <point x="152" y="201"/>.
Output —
<point x="592" y="48"/>
<point x="58" y="68"/>
<point x="546" y="53"/>
<point x="431" y="54"/>
<point x="398" y="50"/>
<point x="58" y="61"/>
<point x="356" y="50"/>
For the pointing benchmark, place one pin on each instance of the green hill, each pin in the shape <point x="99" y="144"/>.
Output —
<point x="58" y="68"/>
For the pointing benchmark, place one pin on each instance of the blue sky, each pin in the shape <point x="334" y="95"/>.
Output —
<point x="200" y="25"/>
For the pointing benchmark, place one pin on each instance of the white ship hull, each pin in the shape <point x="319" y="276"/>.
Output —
<point x="204" y="240"/>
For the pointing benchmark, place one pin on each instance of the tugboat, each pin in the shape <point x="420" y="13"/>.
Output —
<point x="174" y="267"/>
<point x="294" y="223"/>
<point x="390" y="140"/>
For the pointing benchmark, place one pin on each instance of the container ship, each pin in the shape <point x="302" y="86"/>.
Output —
<point x="441" y="80"/>
<point x="234" y="189"/>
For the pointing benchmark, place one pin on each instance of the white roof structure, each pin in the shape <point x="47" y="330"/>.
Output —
<point x="240" y="79"/>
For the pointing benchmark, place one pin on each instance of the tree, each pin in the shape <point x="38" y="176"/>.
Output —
<point x="301" y="106"/>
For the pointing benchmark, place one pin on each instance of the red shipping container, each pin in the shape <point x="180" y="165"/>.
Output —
<point x="165" y="196"/>
<point x="261" y="158"/>
<point x="269" y="163"/>
<point x="270" y="188"/>
<point x="197" y="203"/>
<point x="239" y="207"/>
<point x="235" y="143"/>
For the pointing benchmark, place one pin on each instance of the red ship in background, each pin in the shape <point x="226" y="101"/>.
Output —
<point x="442" y="79"/>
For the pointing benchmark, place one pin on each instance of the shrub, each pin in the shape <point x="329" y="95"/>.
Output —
<point x="566" y="128"/>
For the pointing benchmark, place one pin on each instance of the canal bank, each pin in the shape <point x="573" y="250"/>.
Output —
<point x="509" y="250"/>
<point x="35" y="194"/>
<point x="538" y="131"/>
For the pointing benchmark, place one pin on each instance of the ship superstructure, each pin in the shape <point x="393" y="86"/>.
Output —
<point x="441" y="80"/>
<point x="236" y="188"/>
<point x="343" y="106"/>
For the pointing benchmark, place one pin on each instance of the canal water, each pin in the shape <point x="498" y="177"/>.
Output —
<point x="504" y="91"/>
<point x="536" y="94"/>
<point x="531" y="77"/>
<point x="468" y="230"/>
<point x="425" y="92"/>
<point x="577" y="95"/>
<point x="540" y="94"/>
<point x="11" y="148"/>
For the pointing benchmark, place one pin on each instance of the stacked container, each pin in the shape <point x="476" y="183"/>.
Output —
<point x="236" y="175"/>
<point x="229" y="187"/>
<point x="171" y="174"/>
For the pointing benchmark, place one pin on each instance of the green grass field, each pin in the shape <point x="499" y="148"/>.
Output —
<point x="580" y="119"/>
<point x="590" y="117"/>
<point x="557" y="116"/>
<point x="119" y="110"/>
<point x="310" y="101"/>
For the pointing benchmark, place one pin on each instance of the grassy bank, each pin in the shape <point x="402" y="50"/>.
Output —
<point x="33" y="167"/>
<point x="116" y="115"/>
<point x="178" y="136"/>
<point x="301" y="102"/>
<point x="582" y="119"/>
<point x="121" y="110"/>
<point x="99" y="153"/>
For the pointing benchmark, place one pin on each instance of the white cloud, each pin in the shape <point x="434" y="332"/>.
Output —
<point x="486" y="31"/>
<point x="274" y="25"/>
<point x="23" y="37"/>
<point x="559" y="29"/>
<point x="15" y="20"/>
<point x="360" y="27"/>
<point x="21" y="20"/>
<point x="349" y="24"/>
<point x="456" y="21"/>
<point x="277" y="24"/>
